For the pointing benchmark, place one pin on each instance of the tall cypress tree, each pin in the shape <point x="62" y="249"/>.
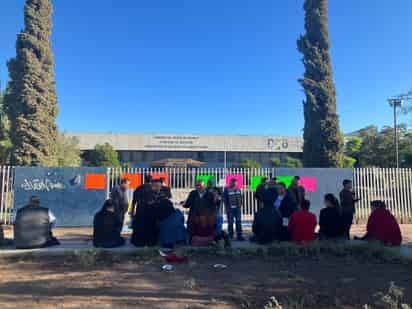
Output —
<point x="323" y="142"/>
<point x="31" y="103"/>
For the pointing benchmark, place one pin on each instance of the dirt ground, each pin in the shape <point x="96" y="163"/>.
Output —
<point x="131" y="282"/>
<point x="139" y="282"/>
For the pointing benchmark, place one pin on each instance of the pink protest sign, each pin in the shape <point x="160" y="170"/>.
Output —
<point x="238" y="177"/>
<point x="309" y="183"/>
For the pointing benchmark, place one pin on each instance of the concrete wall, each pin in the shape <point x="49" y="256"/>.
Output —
<point x="329" y="180"/>
<point x="62" y="190"/>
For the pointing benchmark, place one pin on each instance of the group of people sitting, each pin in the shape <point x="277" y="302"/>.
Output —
<point x="283" y="215"/>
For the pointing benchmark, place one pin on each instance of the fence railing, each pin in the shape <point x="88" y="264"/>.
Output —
<point x="6" y="194"/>
<point x="394" y="186"/>
<point x="183" y="180"/>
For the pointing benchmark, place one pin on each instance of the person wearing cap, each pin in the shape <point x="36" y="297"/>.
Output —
<point x="382" y="226"/>
<point x="33" y="226"/>
<point x="107" y="227"/>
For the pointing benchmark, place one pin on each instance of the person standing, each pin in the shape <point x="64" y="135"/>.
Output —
<point x="233" y="201"/>
<point x="217" y="197"/>
<point x="141" y="194"/>
<point x="297" y="192"/>
<point x="261" y="192"/>
<point x="347" y="203"/>
<point x="166" y="189"/>
<point x="145" y="223"/>
<point x="271" y="193"/>
<point x="194" y="199"/>
<point x="120" y="198"/>
<point x="286" y="207"/>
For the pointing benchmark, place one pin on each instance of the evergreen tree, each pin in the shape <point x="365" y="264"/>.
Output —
<point x="5" y="144"/>
<point x="31" y="103"/>
<point x="323" y="142"/>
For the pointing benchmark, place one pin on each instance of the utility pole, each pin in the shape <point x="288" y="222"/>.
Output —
<point x="395" y="103"/>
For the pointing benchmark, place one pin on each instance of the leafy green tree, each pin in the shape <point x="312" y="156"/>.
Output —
<point x="68" y="152"/>
<point x="406" y="156"/>
<point x="323" y="142"/>
<point x="250" y="164"/>
<point x="351" y="155"/>
<point x="348" y="161"/>
<point x="292" y="162"/>
<point x="31" y="103"/>
<point x="103" y="156"/>
<point x="275" y="162"/>
<point x="377" y="148"/>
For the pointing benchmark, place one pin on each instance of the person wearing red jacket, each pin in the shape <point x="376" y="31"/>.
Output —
<point x="302" y="224"/>
<point x="382" y="226"/>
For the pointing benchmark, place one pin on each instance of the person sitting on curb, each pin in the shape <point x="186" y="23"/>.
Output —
<point x="382" y="226"/>
<point x="330" y="219"/>
<point x="302" y="224"/>
<point x="33" y="226"/>
<point x="171" y="223"/>
<point x="267" y="225"/>
<point x="107" y="226"/>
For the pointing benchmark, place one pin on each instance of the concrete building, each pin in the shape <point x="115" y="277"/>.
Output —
<point x="142" y="150"/>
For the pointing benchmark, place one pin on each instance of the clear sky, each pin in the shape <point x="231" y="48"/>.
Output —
<point x="216" y="66"/>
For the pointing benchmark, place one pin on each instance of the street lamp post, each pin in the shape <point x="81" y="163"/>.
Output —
<point x="395" y="103"/>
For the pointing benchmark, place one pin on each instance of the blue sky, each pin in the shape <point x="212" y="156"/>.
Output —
<point x="226" y="67"/>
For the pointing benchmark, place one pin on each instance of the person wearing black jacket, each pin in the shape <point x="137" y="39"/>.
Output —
<point x="330" y="219"/>
<point x="347" y="203"/>
<point x="286" y="207"/>
<point x="107" y="227"/>
<point x="261" y="192"/>
<point x="267" y="225"/>
<point x="165" y="189"/>
<point x="271" y="193"/>
<point x="192" y="202"/>
<point x="145" y="228"/>
<point x="297" y="192"/>
<point x="141" y="194"/>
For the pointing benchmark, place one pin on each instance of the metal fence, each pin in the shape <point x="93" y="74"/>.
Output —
<point x="6" y="194"/>
<point x="183" y="180"/>
<point x="394" y="186"/>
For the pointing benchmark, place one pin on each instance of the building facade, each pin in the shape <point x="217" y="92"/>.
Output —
<point x="141" y="150"/>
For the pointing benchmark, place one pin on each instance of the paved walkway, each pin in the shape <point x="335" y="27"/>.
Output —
<point x="71" y="246"/>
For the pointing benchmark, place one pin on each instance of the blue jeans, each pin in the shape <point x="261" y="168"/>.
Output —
<point x="232" y="215"/>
